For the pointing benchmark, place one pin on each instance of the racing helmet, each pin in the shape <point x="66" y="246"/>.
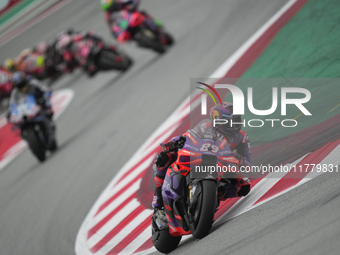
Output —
<point x="19" y="80"/>
<point x="40" y="61"/>
<point x="106" y="4"/>
<point x="10" y="65"/>
<point x="63" y="43"/>
<point x="225" y="112"/>
<point x="42" y="47"/>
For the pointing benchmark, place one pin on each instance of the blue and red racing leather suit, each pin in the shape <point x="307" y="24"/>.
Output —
<point x="239" y="144"/>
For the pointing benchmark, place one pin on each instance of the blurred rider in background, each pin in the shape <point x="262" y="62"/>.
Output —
<point x="32" y="61"/>
<point x="115" y="11"/>
<point x="238" y="142"/>
<point x="74" y="47"/>
<point x="9" y="66"/>
<point x="25" y="85"/>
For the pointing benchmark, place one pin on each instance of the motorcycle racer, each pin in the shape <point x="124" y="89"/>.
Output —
<point x="75" y="50"/>
<point x="25" y="85"/>
<point x="238" y="142"/>
<point x="31" y="62"/>
<point x="41" y="61"/>
<point x="9" y="65"/>
<point x="115" y="15"/>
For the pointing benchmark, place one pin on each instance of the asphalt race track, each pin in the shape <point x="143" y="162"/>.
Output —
<point x="43" y="205"/>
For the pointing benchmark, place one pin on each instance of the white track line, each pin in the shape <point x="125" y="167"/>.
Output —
<point x="12" y="153"/>
<point x="122" y="184"/>
<point x="40" y="17"/>
<point x="117" y="202"/>
<point x="126" y="231"/>
<point x="247" y="203"/>
<point x="138" y="242"/>
<point x="332" y="158"/>
<point x="113" y="222"/>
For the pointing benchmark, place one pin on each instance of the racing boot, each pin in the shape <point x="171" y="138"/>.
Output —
<point x="159" y="219"/>
<point x="238" y="187"/>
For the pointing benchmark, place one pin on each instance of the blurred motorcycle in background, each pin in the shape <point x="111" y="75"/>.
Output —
<point x="36" y="128"/>
<point x="140" y="27"/>
<point x="91" y="53"/>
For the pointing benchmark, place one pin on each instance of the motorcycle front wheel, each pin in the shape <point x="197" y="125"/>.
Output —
<point x="148" y="39"/>
<point x="108" y="60"/>
<point x="36" y="146"/>
<point x="162" y="240"/>
<point x="206" y="209"/>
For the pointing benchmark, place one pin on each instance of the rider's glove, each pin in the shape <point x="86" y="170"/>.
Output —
<point x="181" y="141"/>
<point x="161" y="159"/>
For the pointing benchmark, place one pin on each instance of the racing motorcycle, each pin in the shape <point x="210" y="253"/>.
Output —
<point x="93" y="53"/>
<point x="108" y="57"/>
<point x="141" y="28"/>
<point x="29" y="117"/>
<point x="191" y="200"/>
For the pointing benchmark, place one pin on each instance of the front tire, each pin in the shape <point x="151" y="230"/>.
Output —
<point x="148" y="39"/>
<point x="109" y="60"/>
<point x="163" y="241"/>
<point x="37" y="148"/>
<point x="207" y="209"/>
<point x="169" y="38"/>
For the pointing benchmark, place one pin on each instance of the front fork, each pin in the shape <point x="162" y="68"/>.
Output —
<point x="37" y="129"/>
<point x="195" y="190"/>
